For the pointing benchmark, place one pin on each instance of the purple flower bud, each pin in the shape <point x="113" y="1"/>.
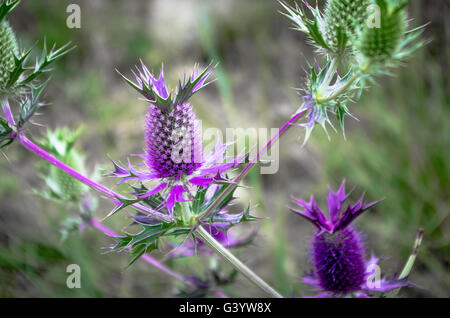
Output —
<point x="337" y="250"/>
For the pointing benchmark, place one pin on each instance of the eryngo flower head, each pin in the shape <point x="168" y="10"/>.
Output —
<point x="174" y="152"/>
<point x="173" y="140"/>
<point x="380" y="42"/>
<point x="8" y="46"/>
<point x="337" y="249"/>
<point x="342" y="18"/>
<point x="386" y="40"/>
<point x="332" y="32"/>
<point x="17" y="78"/>
<point x="8" y="49"/>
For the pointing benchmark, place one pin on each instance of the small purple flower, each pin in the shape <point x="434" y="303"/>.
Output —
<point x="337" y="250"/>
<point x="174" y="151"/>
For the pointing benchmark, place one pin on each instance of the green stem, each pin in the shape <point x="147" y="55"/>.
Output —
<point x="411" y="259"/>
<point x="205" y="237"/>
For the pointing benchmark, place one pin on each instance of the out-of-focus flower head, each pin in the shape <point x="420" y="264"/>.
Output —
<point x="377" y="29"/>
<point x="211" y="284"/>
<point x="385" y="39"/>
<point x="61" y="186"/>
<point x="337" y="250"/>
<point x="8" y="46"/>
<point x="342" y="19"/>
<point x="16" y="77"/>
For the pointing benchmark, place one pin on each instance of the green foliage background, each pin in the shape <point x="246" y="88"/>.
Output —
<point x="399" y="150"/>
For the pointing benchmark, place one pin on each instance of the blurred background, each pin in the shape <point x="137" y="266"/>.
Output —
<point x="399" y="150"/>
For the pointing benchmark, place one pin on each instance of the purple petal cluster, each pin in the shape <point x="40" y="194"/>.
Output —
<point x="339" y="261"/>
<point x="337" y="250"/>
<point x="174" y="145"/>
<point x="338" y="218"/>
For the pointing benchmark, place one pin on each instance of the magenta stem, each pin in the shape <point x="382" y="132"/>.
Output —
<point x="281" y="132"/>
<point x="103" y="228"/>
<point x="146" y="257"/>
<point x="251" y="164"/>
<point x="72" y="172"/>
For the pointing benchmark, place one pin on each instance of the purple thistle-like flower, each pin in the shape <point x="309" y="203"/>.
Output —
<point x="174" y="152"/>
<point x="173" y="140"/>
<point x="339" y="261"/>
<point x="337" y="250"/>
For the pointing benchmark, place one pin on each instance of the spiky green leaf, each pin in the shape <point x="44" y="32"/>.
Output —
<point x="31" y="104"/>
<point x="6" y="7"/>
<point x="312" y="27"/>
